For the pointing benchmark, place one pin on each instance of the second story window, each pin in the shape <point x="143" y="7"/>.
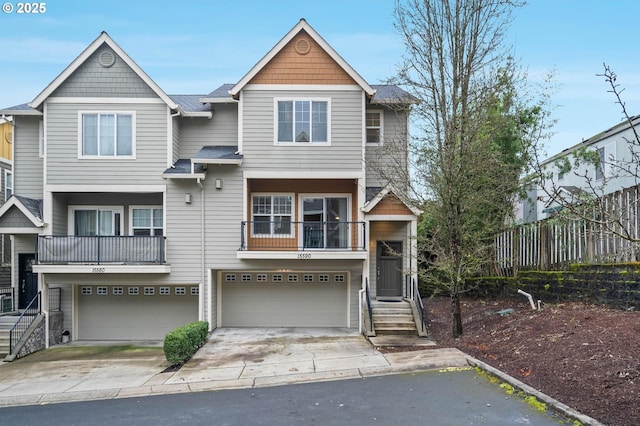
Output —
<point x="374" y="127"/>
<point x="272" y="214"/>
<point x="146" y="221"/>
<point x="107" y="135"/>
<point x="8" y="184"/>
<point x="302" y="121"/>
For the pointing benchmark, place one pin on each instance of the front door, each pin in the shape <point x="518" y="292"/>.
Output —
<point x="27" y="279"/>
<point x="389" y="269"/>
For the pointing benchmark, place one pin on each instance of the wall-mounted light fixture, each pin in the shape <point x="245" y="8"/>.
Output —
<point x="218" y="183"/>
<point x="187" y="198"/>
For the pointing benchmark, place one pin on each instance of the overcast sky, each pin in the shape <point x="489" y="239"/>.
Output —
<point x="192" y="47"/>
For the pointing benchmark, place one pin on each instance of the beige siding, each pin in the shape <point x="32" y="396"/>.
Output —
<point x="64" y="166"/>
<point x="343" y="154"/>
<point x="28" y="179"/>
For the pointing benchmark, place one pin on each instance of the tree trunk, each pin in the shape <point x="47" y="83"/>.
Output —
<point x="456" y="314"/>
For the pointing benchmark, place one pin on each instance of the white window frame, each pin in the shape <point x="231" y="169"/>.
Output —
<point x="379" y="128"/>
<point x="115" y="155"/>
<point x="271" y="233"/>
<point x="71" y="223"/>
<point x="143" y="207"/>
<point x="8" y="189"/>
<point x="301" y="198"/>
<point x="301" y="99"/>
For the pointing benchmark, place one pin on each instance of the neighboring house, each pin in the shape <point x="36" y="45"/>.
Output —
<point x="6" y="186"/>
<point x="252" y="205"/>
<point x="612" y="147"/>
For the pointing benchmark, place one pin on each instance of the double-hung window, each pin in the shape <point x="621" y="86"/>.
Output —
<point x="146" y="221"/>
<point x="374" y="126"/>
<point x="272" y="214"/>
<point x="107" y="134"/>
<point x="302" y="121"/>
<point x="8" y="184"/>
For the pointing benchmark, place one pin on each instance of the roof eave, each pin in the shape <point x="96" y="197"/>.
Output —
<point x="301" y="25"/>
<point x="86" y="53"/>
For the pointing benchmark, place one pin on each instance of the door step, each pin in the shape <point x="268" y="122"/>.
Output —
<point x="393" y="318"/>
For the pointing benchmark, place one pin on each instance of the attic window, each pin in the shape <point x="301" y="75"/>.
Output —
<point x="107" y="58"/>
<point x="303" y="46"/>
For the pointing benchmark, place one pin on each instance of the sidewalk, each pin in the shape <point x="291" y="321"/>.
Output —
<point x="231" y="359"/>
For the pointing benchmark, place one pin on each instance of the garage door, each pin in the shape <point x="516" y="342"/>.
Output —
<point x="292" y="299"/>
<point x="134" y="312"/>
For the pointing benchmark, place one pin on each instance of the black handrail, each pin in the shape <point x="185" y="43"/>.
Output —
<point x="306" y="235"/>
<point x="7" y="299"/>
<point x="419" y="305"/>
<point x="101" y="249"/>
<point x="24" y="322"/>
<point x="368" y="296"/>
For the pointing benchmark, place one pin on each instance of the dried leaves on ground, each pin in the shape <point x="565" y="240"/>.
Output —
<point x="585" y="356"/>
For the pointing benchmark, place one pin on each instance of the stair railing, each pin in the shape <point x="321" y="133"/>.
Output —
<point x="27" y="317"/>
<point x="415" y="295"/>
<point x="367" y="292"/>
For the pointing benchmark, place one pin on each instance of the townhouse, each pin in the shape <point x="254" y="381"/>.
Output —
<point x="260" y="203"/>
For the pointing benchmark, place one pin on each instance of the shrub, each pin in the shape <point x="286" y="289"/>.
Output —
<point x="181" y="343"/>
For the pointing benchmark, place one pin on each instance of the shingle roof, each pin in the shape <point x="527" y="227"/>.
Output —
<point x="190" y="103"/>
<point x="221" y="92"/>
<point x="33" y="205"/>
<point x="391" y="94"/>
<point x="218" y="152"/>
<point x="22" y="109"/>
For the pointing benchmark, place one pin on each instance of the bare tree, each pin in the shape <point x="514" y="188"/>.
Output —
<point x="472" y="134"/>
<point x="599" y="178"/>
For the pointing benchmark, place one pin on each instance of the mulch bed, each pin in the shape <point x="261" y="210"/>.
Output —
<point x="585" y="356"/>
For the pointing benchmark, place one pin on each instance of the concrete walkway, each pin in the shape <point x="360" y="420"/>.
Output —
<point x="232" y="358"/>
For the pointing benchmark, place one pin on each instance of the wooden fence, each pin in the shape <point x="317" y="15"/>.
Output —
<point x="554" y="244"/>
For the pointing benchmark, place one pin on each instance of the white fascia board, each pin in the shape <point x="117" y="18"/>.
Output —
<point x="17" y="112"/>
<point x="315" y="255"/>
<point x="13" y="231"/>
<point x="102" y="269"/>
<point x="216" y="161"/>
<point x="302" y="25"/>
<point x="304" y="87"/>
<point x="199" y="114"/>
<point x="100" y="101"/>
<point x="218" y="101"/>
<point x="390" y="218"/>
<point x="86" y="53"/>
<point x="309" y="174"/>
<point x="105" y="188"/>
<point x="184" y="176"/>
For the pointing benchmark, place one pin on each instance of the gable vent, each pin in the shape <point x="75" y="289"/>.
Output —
<point x="303" y="46"/>
<point x="107" y="58"/>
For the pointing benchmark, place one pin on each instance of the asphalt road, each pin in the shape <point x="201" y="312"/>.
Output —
<point x="429" y="398"/>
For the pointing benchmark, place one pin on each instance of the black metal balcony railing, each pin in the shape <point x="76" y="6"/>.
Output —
<point x="286" y="235"/>
<point x="65" y="249"/>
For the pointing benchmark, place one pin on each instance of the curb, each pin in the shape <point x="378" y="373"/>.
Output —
<point x="557" y="405"/>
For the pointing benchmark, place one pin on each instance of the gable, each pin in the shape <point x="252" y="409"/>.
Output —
<point x="98" y="77"/>
<point x="390" y="205"/>
<point x="302" y="61"/>
<point x="14" y="218"/>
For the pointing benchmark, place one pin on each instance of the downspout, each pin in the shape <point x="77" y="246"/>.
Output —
<point x="202" y="253"/>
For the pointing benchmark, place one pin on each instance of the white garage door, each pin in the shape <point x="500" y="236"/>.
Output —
<point x="134" y="312"/>
<point x="291" y="299"/>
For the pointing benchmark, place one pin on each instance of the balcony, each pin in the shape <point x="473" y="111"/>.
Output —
<point x="302" y="240"/>
<point x="102" y="254"/>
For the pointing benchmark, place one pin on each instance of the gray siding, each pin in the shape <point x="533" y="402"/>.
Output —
<point x="28" y="179"/>
<point x="344" y="153"/>
<point x="14" y="218"/>
<point x="64" y="166"/>
<point x="388" y="162"/>
<point x="221" y="129"/>
<point x="94" y="80"/>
